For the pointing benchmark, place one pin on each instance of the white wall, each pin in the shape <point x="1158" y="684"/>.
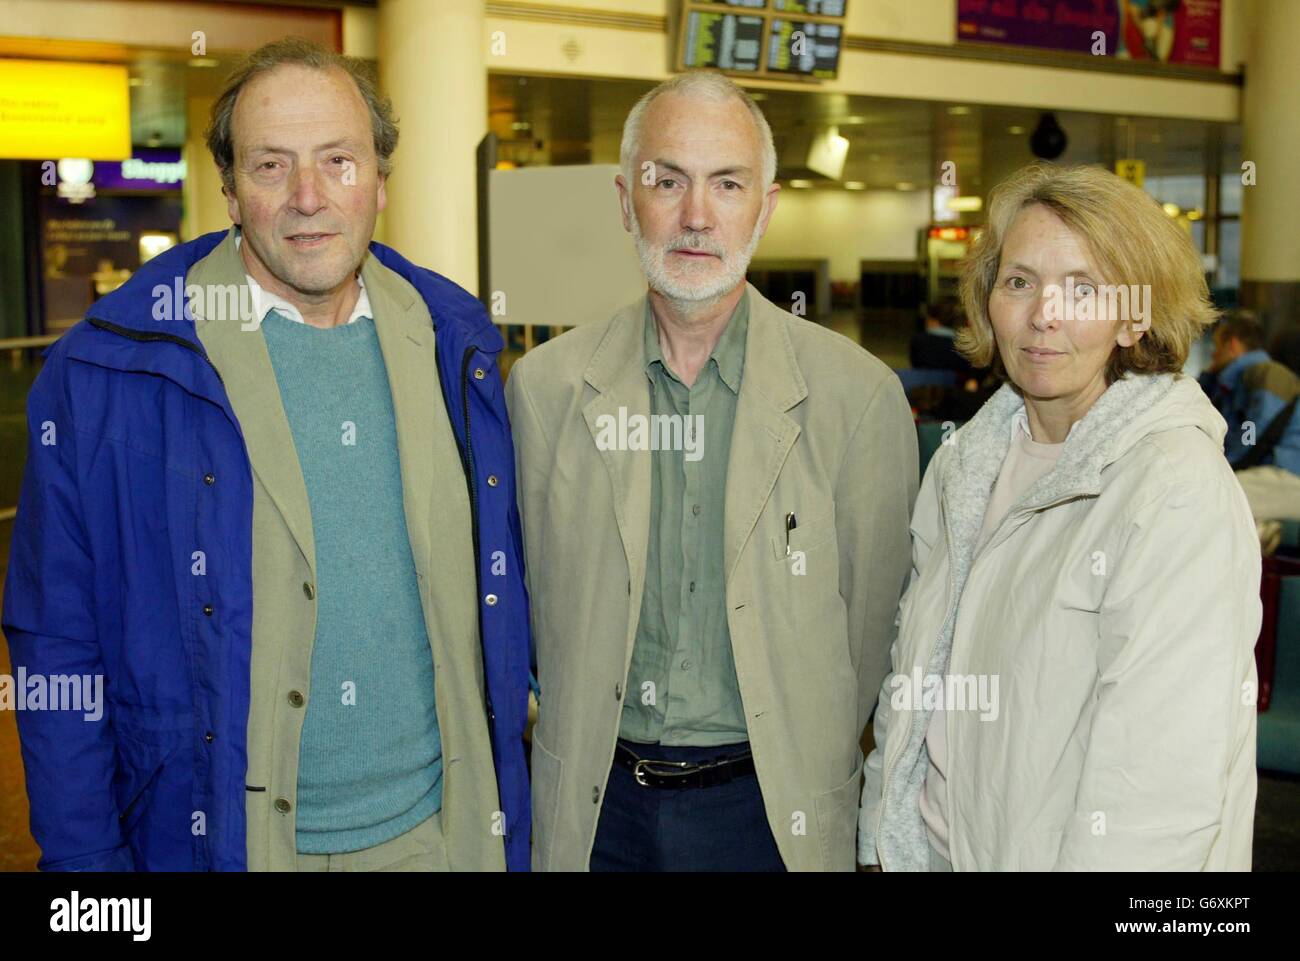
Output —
<point x="845" y="226"/>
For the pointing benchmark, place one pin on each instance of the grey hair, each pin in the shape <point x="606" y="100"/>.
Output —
<point x="304" y="53"/>
<point x="707" y="84"/>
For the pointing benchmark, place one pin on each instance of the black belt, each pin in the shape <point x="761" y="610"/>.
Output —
<point x="654" y="772"/>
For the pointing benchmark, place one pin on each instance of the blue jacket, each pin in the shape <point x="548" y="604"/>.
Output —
<point x="135" y="461"/>
<point x="1255" y="389"/>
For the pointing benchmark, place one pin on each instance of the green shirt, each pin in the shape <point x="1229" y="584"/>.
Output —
<point x="681" y="684"/>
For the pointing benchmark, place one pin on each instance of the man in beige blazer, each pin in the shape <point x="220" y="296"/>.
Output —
<point x="715" y="498"/>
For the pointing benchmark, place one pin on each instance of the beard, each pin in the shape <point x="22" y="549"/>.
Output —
<point x="695" y="284"/>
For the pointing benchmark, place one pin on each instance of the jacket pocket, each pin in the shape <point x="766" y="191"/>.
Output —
<point x="141" y="765"/>
<point x="546" y="771"/>
<point x="805" y="536"/>
<point x="837" y="823"/>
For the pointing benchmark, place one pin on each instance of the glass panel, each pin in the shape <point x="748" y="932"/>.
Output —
<point x="1229" y="275"/>
<point x="1185" y="190"/>
<point x="1230" y="192"/>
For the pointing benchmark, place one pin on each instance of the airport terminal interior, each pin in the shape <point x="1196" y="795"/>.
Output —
<point x="889" y="139"/>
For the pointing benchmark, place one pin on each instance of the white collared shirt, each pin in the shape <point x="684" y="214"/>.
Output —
<point x="264" y="301"/>
<point x="1020" y="421"/>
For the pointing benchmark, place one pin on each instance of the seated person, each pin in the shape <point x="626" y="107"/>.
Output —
<point x="932" y="346"/>
<point x="1257" y="397"/>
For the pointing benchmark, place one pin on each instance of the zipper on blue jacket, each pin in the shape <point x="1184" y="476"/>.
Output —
<point x="146" y="337"/>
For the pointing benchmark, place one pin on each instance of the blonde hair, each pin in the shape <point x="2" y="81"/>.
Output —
<point x="1133" y="241"/>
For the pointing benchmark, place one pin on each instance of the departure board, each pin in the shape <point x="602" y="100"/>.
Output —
<point x="804" y="47"/>
<point x="787" y="39"/>
<point x="728" y="41"/>
<point x="825" y="8"/>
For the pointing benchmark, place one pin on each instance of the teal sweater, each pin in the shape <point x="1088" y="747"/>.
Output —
<point x="370" y="762"/>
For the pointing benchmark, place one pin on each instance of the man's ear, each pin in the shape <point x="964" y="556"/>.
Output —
<point x="381" y="195"/>
<point x="624" y="201"/>
<point x="232" y="205"/>
<point x="769" y="201"/>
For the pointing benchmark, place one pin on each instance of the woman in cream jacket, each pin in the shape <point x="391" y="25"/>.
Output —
<point x="1073" y="681"/>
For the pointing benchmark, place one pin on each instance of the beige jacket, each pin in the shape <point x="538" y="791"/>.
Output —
<point x="1117" y="606"/>
<point x="822" y="430"/>
<point x="284" y="563"/>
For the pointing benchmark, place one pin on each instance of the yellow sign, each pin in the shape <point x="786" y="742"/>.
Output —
<point x="50" y="109"/>
<point x="1134" y="171"/>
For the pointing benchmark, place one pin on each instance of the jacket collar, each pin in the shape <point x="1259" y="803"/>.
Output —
<point x="1095" y="441"/>
<point x="134" y="304"/>
<point x="770" y="369"/>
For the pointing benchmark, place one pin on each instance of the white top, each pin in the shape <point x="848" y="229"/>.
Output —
<point x="1026" y="461"/>
<point x="264" y="301"/>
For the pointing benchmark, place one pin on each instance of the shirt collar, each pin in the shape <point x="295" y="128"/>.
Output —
<point x="264" y="301"/>
<point x="728" y="354"/>
<point x="1020" y="422"/>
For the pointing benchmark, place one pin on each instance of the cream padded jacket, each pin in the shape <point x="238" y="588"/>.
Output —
<point x="1114" y="613"/>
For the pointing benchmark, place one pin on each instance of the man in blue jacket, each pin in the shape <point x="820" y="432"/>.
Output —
<point x="270" y="503"/>
<point x="1257" y="397"/>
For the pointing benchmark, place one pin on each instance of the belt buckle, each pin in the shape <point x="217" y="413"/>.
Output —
<point x="640" y="768"/>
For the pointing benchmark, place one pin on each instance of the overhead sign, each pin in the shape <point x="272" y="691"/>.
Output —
<point x="1158" y="31"/>
<point x="147" y="169"/>
<point x="54" y="109"/>
<point x="783" y="39"/>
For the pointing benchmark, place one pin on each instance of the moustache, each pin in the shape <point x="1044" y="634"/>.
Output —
<point x="695" y="243"/>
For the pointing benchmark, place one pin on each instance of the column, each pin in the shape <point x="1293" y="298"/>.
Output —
<point x="1270" y="236"/>
<point x="432" y="64"/>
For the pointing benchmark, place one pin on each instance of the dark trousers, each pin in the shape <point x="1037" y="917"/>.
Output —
<point x="722" y="828"/>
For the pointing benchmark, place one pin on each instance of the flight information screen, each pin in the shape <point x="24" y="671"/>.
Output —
<point x="777" y="38"/>
<point x="805" y="47"/>
<point x="826" y="8"/>
<point x="728" y="41"/>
